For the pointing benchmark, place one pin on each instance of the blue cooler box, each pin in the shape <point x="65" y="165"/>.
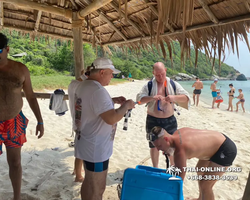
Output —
<point x="149" y="183"/>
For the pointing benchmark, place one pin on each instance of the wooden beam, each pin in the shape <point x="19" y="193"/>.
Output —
<point x="93" y="32"/>
<point x="108" y="22"/>
<point x="95" y="5"/>
<point x="45" y="95"/>
<point x="208" y="11"/>
<point x="43" y="33"/>
<point x="27" y="14"/>
<point x="246" y="194"/>
<point x="78" y="48"/>
<point x="39" y="15"/>
<point x="129" y="20"/>
<point x="42" y="7"/>
<point x="74" y="4"/>
<point x="190" y="28"/>
<point x="155" y="11"/>
<point x="61" y="3"/>
<point x="44" y="24"/>
<point x="1" y="14"/>
<point x="247" y="5"/>
<point x="112" y="25"/>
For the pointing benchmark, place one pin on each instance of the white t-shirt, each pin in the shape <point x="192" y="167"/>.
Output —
<point x="95" y="143"/>
<point x="71" y="93"/>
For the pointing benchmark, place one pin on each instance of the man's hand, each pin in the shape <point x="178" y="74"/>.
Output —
<point x="129" y="104"/>
<point x="158" y="97"/>
<point x="119" y="100"/>
<point x="170" y="98"/>
<point x="39" y="128"/>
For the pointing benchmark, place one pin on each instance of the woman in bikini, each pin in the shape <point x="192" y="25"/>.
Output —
<point x="241" y="100"/>
<point x="231" y="97"/>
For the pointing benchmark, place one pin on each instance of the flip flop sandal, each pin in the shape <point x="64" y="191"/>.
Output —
<point x="71" y="144"/>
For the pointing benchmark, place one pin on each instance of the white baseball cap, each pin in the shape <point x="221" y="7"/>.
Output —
<point x="215" y="79"/>
<point x="105" y="63"/>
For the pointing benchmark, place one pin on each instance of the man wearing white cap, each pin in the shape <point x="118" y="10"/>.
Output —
<point x="95" y="120"/>
<point x="214" y="91"/>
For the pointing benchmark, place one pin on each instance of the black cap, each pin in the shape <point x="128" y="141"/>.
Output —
<point x="3" y="41"/>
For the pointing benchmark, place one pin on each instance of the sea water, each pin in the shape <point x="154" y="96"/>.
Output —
<point x="223" y="85"/>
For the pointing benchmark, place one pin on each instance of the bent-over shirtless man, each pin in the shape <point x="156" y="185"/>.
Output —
<point x="198" y="85"/>
<point x="14" y="77"/>
<point x="212" y="148"/>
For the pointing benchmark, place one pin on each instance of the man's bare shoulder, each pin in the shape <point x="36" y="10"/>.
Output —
<point x="13" y="63"/>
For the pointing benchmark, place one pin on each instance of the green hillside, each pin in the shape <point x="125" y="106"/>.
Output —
<point x="46" y="56"/>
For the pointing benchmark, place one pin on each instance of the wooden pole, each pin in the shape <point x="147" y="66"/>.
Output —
<point x="136" y="27"/>
<point x="208" y="11"/>
<point x="39" y="15"/>
<point x="78" y="48"/>
<point x="1" y="14"/>
<point x="95" y="5"/>
<point x="246" y="195"/>
<point x="45" y="95"/>
<point x="190" y="28"/>
<point x="104" y="18"/>
<point x="42" y="7"/>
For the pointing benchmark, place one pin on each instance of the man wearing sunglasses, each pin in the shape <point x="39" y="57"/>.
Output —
<point x="161" y="105"/>
<point x="15" y="77"/>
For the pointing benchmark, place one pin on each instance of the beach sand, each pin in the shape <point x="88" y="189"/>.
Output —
<point x="130" y="149"/>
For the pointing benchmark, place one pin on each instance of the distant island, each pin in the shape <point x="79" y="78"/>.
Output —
<point x="241" y="77"/>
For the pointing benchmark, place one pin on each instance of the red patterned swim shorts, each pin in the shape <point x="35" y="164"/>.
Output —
<point x="13" y="132"/>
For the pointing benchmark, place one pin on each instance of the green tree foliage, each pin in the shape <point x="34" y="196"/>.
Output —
<point x="46" y="56"/>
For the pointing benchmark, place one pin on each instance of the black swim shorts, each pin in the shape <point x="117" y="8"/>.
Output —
<point x="225" y="154"/>
<point x="169" y="124"/>
<point x="197" y="91"/>
<point x="96" y="167"/>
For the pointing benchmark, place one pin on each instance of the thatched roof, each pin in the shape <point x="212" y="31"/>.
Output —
<point x="135" y="23"/>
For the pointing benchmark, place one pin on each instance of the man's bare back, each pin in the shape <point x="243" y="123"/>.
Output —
<point x="212" y="148"/>
<point x="201" y="144"/>
<point x="198" y="85"/>
<point x="11" y="84"/>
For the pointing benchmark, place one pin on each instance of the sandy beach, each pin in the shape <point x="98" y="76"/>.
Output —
<point x="52" y="158"/>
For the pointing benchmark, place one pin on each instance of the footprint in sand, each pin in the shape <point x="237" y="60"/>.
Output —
<point x="24" y="196"/>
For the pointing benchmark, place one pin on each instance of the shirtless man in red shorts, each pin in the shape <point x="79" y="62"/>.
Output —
<point x="15" y="77"/>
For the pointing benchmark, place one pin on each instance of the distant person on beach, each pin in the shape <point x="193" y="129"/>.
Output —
<point x="241" y="100"/>
<point x="231" y="97"/>
<point x="219" y="99"/>
<point x="161" y="100"/>
<point x="96" y="120"/>
<point x="78" y="164"/>
<point x="198" y="85"/>
<point x="213" y="149"/>
<point x="214" y="91"/>
<point x="15" y="77"/>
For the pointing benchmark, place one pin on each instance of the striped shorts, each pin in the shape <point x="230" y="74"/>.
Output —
<point x="169" y="124"/>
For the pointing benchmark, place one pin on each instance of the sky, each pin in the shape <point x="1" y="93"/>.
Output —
<point x="242" y="64"/>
